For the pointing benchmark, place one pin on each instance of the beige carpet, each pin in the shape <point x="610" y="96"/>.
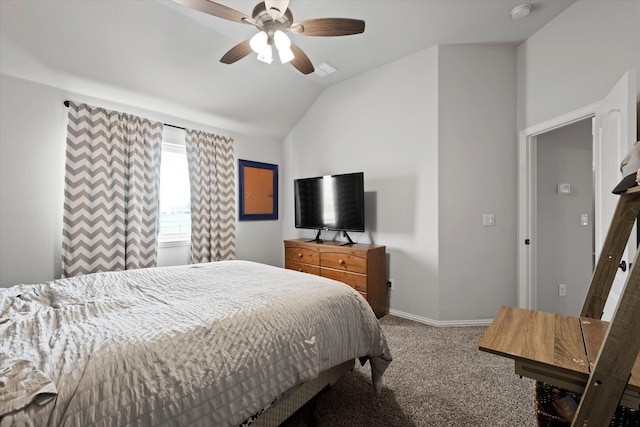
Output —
<point x="438" y="378"/>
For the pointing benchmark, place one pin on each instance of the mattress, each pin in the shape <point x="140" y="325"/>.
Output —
<point x="205" y="344"/>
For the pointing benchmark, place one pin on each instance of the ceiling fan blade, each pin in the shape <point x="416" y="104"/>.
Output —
<point x="328" y="27"/>
<point x="236" y="53"/>
<point x="216" y="9"/>
<point x="277" y="7"/>
<point x="301" y="60"/>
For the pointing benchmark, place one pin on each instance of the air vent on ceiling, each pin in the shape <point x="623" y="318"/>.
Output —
<point x="325" y="69"/>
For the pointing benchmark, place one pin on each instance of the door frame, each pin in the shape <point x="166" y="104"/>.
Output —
<point x="527" y="200"/>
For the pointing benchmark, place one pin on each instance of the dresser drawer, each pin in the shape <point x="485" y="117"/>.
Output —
<point x="356" y="281"/>
<point x="302" y="255"/>
<point x="360" y="266"/>
<point x="343" y="261"/>
<point x="305" y="268"/>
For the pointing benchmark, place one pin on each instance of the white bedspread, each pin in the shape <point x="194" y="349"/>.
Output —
<point x="207" y="344"/>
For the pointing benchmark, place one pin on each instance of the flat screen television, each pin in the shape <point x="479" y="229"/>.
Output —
<point x="333" y="202"/>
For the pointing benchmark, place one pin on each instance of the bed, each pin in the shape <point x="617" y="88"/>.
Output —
<point x="205" y="344"/>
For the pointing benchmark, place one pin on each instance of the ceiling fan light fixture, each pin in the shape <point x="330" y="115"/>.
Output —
<point x="259" y="42"/>
<point x="281" y="40"/>
<point x="283" y="44"/>
<point x="286" y="55"/>
<point x="266" y="55"/>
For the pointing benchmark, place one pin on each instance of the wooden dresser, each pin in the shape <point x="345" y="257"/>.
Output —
<point x="360" y="266"/>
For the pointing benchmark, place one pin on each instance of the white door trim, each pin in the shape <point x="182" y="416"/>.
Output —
<point x="527" y="167"/>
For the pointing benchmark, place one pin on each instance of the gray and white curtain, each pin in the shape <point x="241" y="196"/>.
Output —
<point x="112" y="180"/>
<point x="213" y="205"/>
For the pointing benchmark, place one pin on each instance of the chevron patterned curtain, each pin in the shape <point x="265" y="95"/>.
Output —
<point x="213" y="205"/>
<point x="111" y="191"/>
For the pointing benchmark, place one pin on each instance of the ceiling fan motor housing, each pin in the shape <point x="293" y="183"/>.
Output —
<point x="264" y="21"/>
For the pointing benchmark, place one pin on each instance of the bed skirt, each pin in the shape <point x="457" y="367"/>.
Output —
<point x="293" y="400"/>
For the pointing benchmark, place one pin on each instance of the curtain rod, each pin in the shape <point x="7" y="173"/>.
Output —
<point x="66" y="104"/>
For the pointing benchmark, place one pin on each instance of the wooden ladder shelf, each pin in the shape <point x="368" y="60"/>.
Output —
<point x="584" y="354"/>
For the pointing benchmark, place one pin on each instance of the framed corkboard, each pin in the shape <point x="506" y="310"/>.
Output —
<point x="258" y="191"/>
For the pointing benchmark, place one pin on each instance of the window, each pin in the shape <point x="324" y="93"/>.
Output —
<point x="175" y="202"/>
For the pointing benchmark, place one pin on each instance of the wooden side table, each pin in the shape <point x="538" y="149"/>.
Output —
<point x="584" y="353"/>
<point x="556" y="349"/>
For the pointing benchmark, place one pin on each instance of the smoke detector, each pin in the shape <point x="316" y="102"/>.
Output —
<point x="521" y="11"/>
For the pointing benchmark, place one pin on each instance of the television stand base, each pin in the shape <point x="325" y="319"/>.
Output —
<point x="317" y="239"/>
<point x="349" y="241"/>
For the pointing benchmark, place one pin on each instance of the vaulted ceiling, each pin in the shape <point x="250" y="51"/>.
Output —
<point x="155" y="53"/>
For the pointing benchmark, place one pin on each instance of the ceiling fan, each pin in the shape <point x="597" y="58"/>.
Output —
<point x="273" y="18"/>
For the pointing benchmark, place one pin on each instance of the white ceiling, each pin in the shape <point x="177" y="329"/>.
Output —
<point x="143" y="51"/>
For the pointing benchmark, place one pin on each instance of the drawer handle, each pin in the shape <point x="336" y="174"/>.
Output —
<point x="299" y="255"/>
<point x="341" y="261"/>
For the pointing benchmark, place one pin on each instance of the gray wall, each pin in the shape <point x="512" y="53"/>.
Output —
<point x="564" y="246"/>
<point x="435" y="137"/>
<point x="575" y="59"/>
<point x="393" y="139"/>
<point x="32" y="156"/>
<point x="477" y="157"/>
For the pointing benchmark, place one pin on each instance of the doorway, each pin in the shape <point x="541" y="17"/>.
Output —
<point x="564" y="217"/>
<point x="527" y="201"/>
<point x="614" y="133"/>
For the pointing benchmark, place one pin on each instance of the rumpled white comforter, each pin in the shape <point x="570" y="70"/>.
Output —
<point x="206" y="344"/>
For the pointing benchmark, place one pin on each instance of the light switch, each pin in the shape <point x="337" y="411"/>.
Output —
<point x="488" y="219"/>
<point x="564" y="188"/>
<point x="584" y="219"/>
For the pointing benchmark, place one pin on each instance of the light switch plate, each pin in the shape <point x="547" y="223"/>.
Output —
<point x="562" y="290"/>
<point x="488" y="219"/>
<point x="584" y="219"/>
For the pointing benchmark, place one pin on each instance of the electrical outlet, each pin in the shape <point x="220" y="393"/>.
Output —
<point x="390" y="283"/>
<point x="562" y="290"/>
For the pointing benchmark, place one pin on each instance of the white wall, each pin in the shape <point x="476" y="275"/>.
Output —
<point x="32" y="156"/>
<point x="577" y="58"/>
<point x="564" y="247"/>
<point x="261" y="241"/>
<point x="383" y="123"/>
<point x="434" y="134"/>
<point x="478" y="158"/>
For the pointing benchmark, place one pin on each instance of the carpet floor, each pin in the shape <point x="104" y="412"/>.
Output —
<point x="438" y="377"/>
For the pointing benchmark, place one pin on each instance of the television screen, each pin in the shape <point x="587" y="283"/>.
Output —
<point x="334" y="202"/>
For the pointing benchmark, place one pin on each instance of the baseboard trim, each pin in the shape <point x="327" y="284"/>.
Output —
<point x="440" y="323"/>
